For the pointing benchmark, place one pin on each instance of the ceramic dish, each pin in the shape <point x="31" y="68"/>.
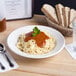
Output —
<point x="13" y="37"/>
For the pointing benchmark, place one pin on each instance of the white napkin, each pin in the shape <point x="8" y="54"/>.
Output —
<point x="71" y="50"/>
<point x="5" y="63"/>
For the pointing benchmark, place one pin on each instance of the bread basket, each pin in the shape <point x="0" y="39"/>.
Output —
<point x="65" y="31"/>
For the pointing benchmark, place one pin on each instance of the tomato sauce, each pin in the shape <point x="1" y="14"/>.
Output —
<point x="2" y="25"/>
<point x="39" y="38"/>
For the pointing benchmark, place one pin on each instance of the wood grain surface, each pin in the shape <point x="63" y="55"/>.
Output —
<point x="60" y="65"/>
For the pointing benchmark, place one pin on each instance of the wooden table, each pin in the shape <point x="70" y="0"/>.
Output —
<point x="60" y="65"/>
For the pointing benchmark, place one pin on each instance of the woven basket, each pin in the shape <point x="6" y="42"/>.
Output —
<point x="65" y="31"/>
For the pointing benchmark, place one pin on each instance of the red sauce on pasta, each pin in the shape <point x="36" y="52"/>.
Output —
<point x="40" y="38"/>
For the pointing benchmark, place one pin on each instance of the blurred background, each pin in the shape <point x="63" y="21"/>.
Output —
<point x="38" y="4"/>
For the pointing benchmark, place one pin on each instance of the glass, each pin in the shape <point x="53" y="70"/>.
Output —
<point x="74" y="32"/>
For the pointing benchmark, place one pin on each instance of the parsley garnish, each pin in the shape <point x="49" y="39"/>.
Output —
<point x="36" y="31"/>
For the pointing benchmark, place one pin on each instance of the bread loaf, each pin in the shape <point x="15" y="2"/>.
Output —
<point x="60" y="14"/>
<point x="50" y="12"/>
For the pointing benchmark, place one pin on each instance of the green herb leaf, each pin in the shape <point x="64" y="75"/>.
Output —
<point x="34" y="34"/>
<point x="38" y="32"/>
<point x="35" y="31"/>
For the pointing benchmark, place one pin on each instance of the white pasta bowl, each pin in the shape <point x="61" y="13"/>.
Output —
<point x="13" y="37"/>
